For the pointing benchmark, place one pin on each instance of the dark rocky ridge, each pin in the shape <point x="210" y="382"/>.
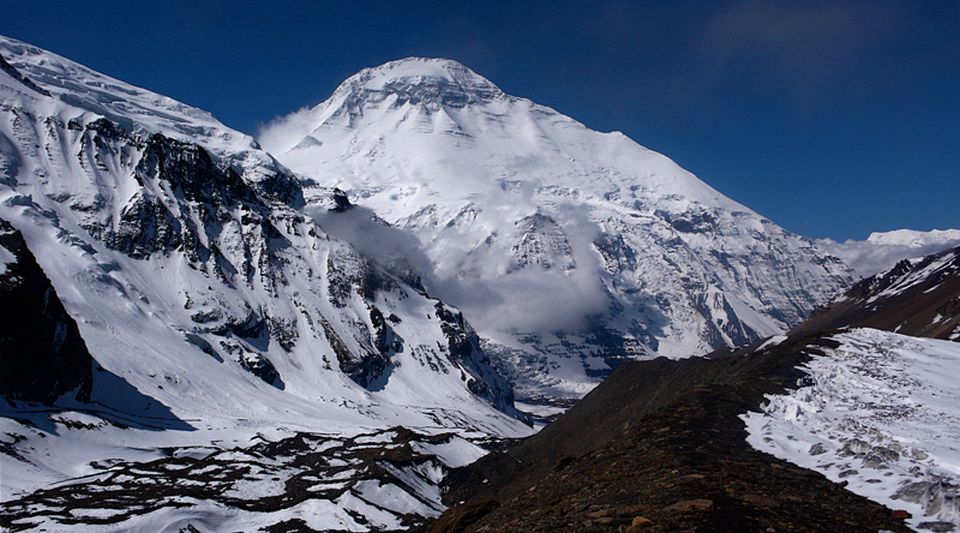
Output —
<point x="311" y="466"/>
<point x="15" y="74"/>
<point x="661" y="440"/>
<point x="928" y="307"/>
<point x="42" y="355"/>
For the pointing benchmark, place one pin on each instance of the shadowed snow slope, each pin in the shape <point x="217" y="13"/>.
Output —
<point x="182" y="251"/>
<point x="568" y="248"/>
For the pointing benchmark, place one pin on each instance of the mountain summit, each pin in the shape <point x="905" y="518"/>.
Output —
<point x="427" y="84"/>
<point x="421" y="80"/>
<point x="570" y="249"/>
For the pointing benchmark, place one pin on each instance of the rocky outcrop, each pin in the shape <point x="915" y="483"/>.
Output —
<point x="328" y="471"/>
<point x="475" y="366"/>
<point x="42" y="355"/>
<point x="190" y="242"/>
<point x="919" y="297"/>
<point x="15" y="74"/>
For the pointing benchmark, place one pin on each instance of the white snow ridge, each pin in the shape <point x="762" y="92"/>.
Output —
<point x="882" y="250"/>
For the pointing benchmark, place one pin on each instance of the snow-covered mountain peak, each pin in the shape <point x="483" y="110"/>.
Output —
<point x="429" y="95"/>
<point x="559" y="241"/>
<point x="914" y="238"/>
<point x="884" y="249"/>
<point x="429" y="81"/>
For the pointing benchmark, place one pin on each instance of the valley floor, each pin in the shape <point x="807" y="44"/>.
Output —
<point x="381" y="480"/>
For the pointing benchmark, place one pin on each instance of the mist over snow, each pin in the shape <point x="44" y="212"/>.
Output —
<point x="514" y="301"/>
<point x="283" y="133"/>
<point x="397" y="250"/>
<point x="506" y="301"/>
<point x="882" y="250"/>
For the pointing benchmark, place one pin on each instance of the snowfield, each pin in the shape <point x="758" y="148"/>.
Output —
<point x="880" y="412"/>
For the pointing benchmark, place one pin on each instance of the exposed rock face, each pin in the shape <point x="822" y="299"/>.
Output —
<point x="340" y="476"/>
<point x="474" y="366"/>
<point x="220" y="314"/>
<point x="42" y="355"/>
<point x="15" y="74"/>
<point x="189" y="254"/>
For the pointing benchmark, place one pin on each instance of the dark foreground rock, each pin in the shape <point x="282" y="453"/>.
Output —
<point x="42" y="355"/>
<point x="659" y="446"/>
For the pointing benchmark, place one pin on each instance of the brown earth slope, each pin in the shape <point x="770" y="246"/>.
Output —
<point x="661" y="441"/>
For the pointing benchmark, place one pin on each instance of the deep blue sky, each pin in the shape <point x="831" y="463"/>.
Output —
<point x="833" y="119"/>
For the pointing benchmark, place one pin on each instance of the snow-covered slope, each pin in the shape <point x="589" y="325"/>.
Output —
<point x="880" y="410"/>
<point x="881" y="413"/>
<point x="214" y="307"/>
<point x="568" y="248"/>
<point x="882" y="250"/>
